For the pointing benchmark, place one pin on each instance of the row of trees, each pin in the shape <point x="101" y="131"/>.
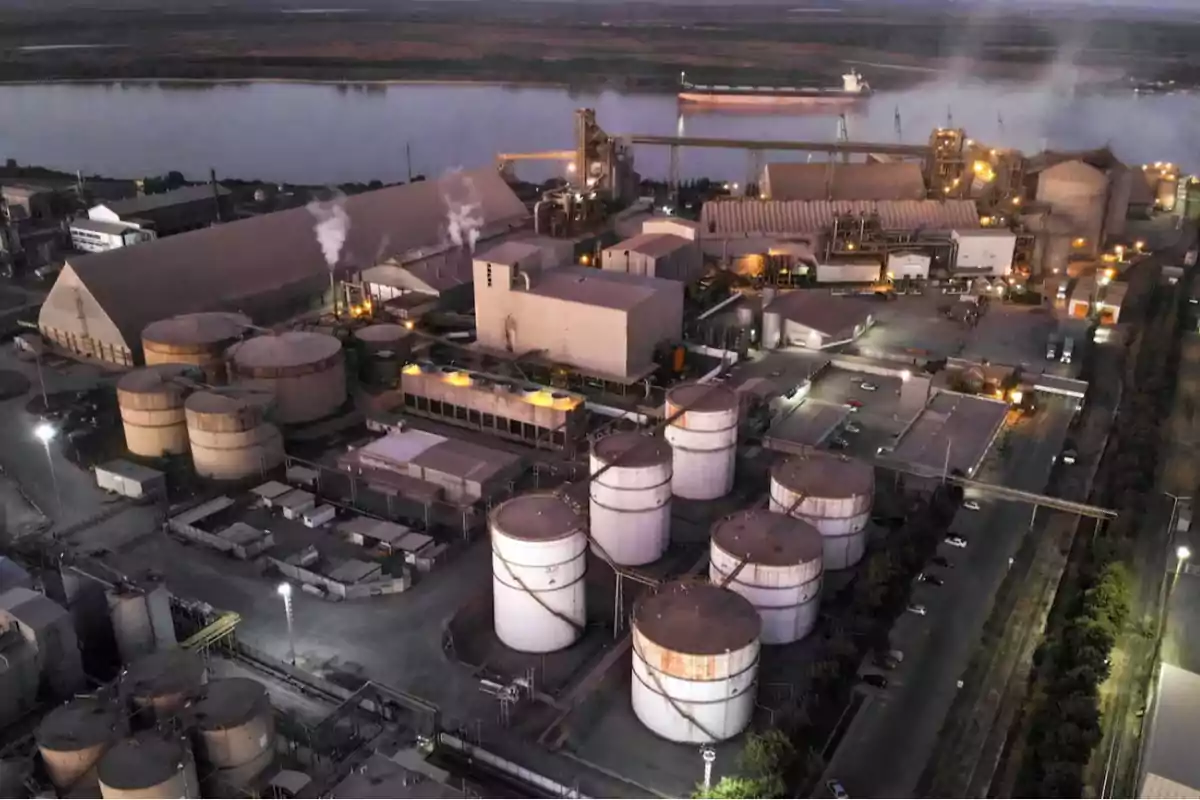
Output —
<point x="1072" y="662"/>
<point x="786" y="759"/>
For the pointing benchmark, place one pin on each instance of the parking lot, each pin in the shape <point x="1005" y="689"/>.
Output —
<point x="888" y="743"/>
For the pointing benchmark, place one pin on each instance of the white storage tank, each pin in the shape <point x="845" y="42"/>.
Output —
<point x="832" y="492"/>
<point x="234" y="729"/>
<point x="151" y="403"/>
<point x="197" y="339"/>
<point x="703" y="439"/>
<point x="782" y="574"/>
<point x="695" y="662"/>
<point x="631" y="500"/>
<point x="141" y="620"/>
<point x="163" y="682"/>
<point x="305" y="371"/>
<point x="231" y="435"/>
<point x="149" y="765"/>
<point x="539" y="557"/>
<point x="72" y="738"/>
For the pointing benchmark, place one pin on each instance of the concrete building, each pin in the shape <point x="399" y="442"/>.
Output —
<point x="984" y="251"/>
<point x="441" y="277"/>
<point x="605" y="324"/>
<point x="27" y="202"/>
<point x="656" y="255"/>
<point x="900" y="180"/>
<point x="95" y="236"/>
<point x="270" y="267"/>
<point x="817" y="320"/>
<point x="187" y="208"/>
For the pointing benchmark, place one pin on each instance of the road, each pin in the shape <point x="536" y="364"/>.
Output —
<point x="888" y="744"/>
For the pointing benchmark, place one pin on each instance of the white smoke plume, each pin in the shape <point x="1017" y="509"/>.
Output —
<point x="333" y="223"/>
<point x="464" y="211"/>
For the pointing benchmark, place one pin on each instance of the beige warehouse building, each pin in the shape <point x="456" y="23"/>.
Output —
<point x="269" y="267"/>
<point x="602" y="323"/>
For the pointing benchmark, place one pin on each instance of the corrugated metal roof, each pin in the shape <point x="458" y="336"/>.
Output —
<point x="132" y="206"/>
<point x="220" y="268"/>
<point x="749" y="217"/>
<point x="100" y="226"/>
<point x="833" y="181"/>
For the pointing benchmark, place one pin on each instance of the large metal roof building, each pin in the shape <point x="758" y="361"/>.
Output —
<point x="269" y="267"/>
<point x="900" y="180"/>
<point x="747" y="217"/>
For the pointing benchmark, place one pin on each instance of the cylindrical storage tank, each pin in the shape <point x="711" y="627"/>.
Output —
<point x="782" y="575"/>
<point x="393" y="338"/>
<point x="163" y="682"/>
<point x="539" y="548"/>
<point x="148" y="765"/>
<point x="73" y="737"/>
<point x="631" y="499"/>
<point x="197" y="339"/>
<point x="234" y="729"/>
<point x="151" y="403"/>
<point x="745" y="317"/>
<point x="772" y="330"/>
<point x="305" y="371"/>
<point x="831" y="492"/>
<point x="695" y="662"/>
<point x="703" y="438"/>
<point x="231" y="437"/>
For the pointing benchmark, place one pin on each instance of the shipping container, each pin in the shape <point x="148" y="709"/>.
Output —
<point x="130" y="480"/>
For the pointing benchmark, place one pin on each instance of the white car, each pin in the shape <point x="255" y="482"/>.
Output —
<point x="853" y="427"/>
<point x="918" y="609"/>
<point x="884" y="449"/>
<point x="971" y="505"/>
<point x="956" y="541"/>
<point x="868" y="387"/>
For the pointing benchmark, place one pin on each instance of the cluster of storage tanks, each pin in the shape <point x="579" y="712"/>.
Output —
<point x="169" y="732"/>
<point x="179" y="402"/>
<point x="695" y="645"/>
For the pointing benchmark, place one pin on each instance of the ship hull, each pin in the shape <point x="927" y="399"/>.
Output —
<point x="767" y="100"/>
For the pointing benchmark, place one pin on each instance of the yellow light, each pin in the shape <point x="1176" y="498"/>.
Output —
<point x="571" y="167"/>
<point x="1139" y="244"/>
<point x="411" y="369"/>
<point x="585" y="259"/>
<point x="891" y="275"/>
<point x="985" y="221"/>
<point x="1017" y="396"/>
<point x="1110" y="273"/>
<point x="408" y="323"/>
<point x="458" y="379"/>
<point x="946" y="189"/>
<point x="850" y="246"/>
<point x="1080" y="242"/>
<point x="1016" y="201"/>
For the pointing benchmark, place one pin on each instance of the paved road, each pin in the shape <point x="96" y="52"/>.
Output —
<point x="889" y="742"/>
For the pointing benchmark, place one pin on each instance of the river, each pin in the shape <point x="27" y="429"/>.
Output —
<point x="331" y="133"/>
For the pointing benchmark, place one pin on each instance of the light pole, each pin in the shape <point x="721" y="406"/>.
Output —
<point x="285" y="591"/>
<point x="709" y="755"/>
<point x="45" y="433"/>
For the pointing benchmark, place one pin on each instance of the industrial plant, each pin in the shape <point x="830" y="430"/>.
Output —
<point x="672" y="437"/>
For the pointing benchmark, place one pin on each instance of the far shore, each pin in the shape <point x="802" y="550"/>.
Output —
<point x="311" y="81"/>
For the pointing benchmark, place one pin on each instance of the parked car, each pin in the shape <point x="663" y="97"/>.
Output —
<point x="854" y="403"/>
<point x="869" y="387"/>
<point x="971" y="505"/>
<point x="838" y="444"/>
<point x="1069" y="456"/>
<point x="917" y="608"/>
<point x="837" y="790"/>
<point x="956" y="541"/>
<point x="930" y="578"/>
<point x="885" y="449"/>
<point x="876" y="680"/>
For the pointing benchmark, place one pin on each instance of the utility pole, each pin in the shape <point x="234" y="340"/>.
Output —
<point x="408" y="160"/>
<point x="899" y="127"/>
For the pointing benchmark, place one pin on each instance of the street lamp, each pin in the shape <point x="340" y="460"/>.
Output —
<point x="45" y="433"/>
<point x="1183" y="553"/>
<point x="285" y="591"/>
<point x="905" y="375"/>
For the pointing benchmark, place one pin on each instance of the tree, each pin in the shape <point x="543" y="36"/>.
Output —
<point x="729" y="788"/>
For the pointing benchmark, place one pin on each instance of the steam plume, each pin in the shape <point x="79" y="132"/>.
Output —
<point x="333" y="223"/>
<point x="464" y="213"/>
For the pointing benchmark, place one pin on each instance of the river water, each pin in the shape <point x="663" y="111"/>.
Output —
<point x="329" y="133"/>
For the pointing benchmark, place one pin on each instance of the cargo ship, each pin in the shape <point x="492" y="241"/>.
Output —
<point x="853" y="88"/>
